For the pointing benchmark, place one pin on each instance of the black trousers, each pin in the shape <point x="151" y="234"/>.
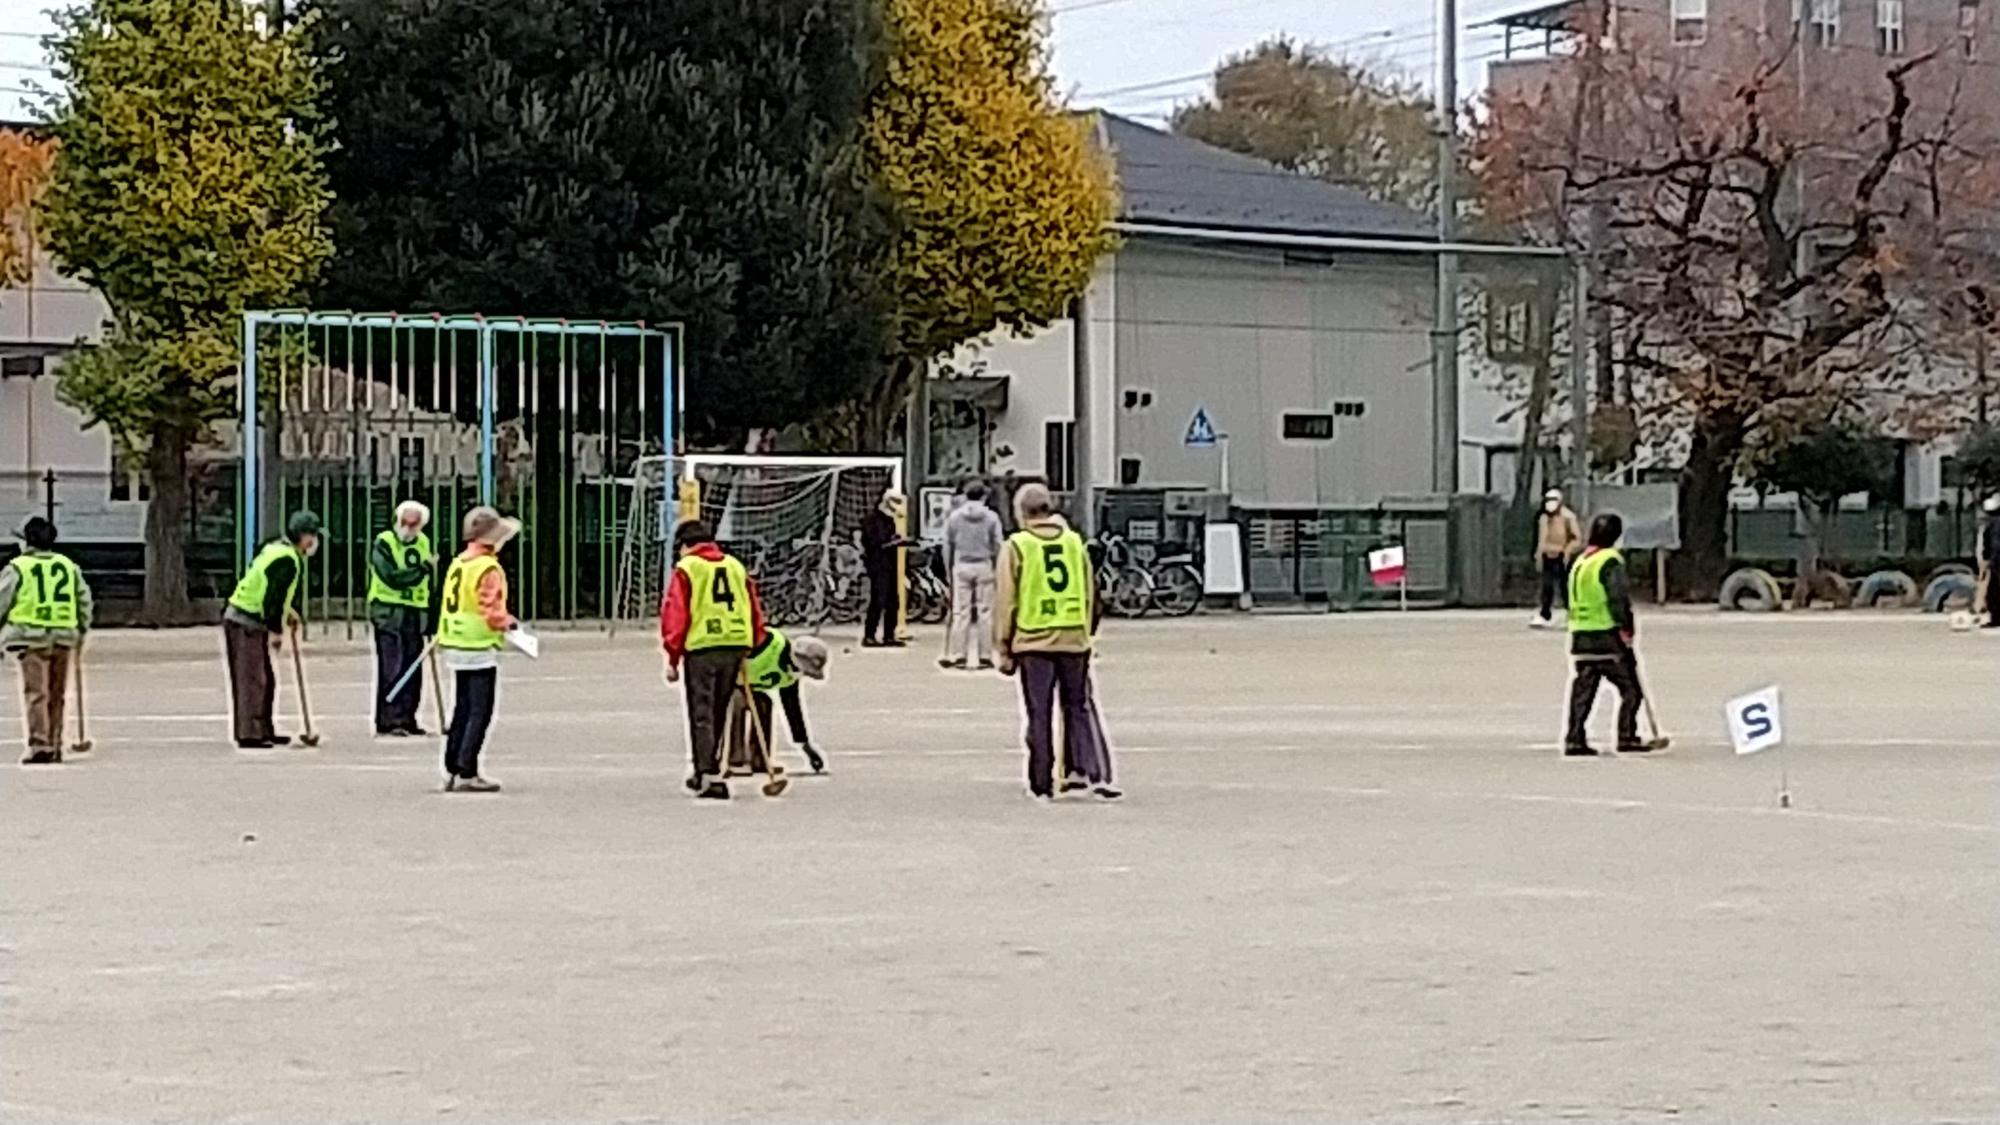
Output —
<point x="471" y="714"/>
<point x="397" y="649"/>
<point x="252" y="686"/>
<point x="1623" y="673"/>
<point x="709" y="677"/>
<point x="1049" y="680"/>
<point x="1555" y="576"/>
<point x="881" y="606"/>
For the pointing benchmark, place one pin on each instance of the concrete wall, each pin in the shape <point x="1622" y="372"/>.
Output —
<point x="1247" y="335"/>
<point x="38" y="433"/>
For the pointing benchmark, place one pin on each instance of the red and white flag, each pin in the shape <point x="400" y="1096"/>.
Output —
<point x="1386" y="566"/>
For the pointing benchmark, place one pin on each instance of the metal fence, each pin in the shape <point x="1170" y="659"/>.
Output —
<point x="348" y="414"/>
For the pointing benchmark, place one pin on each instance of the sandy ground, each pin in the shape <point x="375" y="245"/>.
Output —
<point x="1352" y="881"/>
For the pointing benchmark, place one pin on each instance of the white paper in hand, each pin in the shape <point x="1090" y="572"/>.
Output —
<point x="1755" y="722"/>
<point x="526" y="643"/>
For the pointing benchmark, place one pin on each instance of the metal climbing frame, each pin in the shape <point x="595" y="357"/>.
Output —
<point x="350" y="413"/>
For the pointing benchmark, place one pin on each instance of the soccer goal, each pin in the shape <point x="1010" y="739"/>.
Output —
<point x="794" y="521"/>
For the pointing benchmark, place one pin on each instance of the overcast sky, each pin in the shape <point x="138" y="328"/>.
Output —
<point x="1137" y="57"/>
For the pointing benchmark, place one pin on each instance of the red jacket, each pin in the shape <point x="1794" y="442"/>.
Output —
<point x="674" y="610"/>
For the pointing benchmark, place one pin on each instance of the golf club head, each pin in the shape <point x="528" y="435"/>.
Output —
<point x="81" y="746"/>
<point x="309" y="739"/>
<point x="775" y="786"/>
<point x="1659" y="742"/>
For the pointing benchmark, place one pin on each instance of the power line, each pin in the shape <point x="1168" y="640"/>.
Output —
<point x="1083" y="6"/>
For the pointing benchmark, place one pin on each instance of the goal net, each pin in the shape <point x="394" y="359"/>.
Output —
<point x="794" y="521"/>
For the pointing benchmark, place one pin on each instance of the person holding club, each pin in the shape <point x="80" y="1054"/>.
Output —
<point x="260" y="609"/>
<point x="775" y="667"/>
<point x="400" y="563"/>
<point x="473" y="622"/>
<point x="710" y="622"/>
<point x="1601" y="631"/>
<point x="44" y="614"/>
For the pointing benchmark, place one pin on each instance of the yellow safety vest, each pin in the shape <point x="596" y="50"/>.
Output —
<point x="411" y="553"/>
<point x="251" y="588"/>
<point x="1589" y="601"/>
<point x="767" y="664"/>
<point x="461" y="625"/>
<point x="1052" y="588"/>
<point x="718" y="603"/>
<point x="47" y="593"/>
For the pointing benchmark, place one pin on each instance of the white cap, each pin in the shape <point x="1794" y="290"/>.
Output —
<point x="1553" y="494"/>
<point x="1993" y="503"/>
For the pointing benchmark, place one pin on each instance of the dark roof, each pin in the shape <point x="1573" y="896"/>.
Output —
<point x="1172" y="180"/>
<point x="1563" y="15"/>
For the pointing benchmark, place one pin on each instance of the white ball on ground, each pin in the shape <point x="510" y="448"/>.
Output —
<point x="1961" y="622"/>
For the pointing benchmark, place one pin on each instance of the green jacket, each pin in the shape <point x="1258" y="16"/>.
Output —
<point x="14" y="637"/>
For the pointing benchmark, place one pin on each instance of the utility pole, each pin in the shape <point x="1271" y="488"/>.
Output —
<point x="1444" y="333"/>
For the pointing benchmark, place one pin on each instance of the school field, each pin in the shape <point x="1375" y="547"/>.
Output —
<point x="1352" y="881"/>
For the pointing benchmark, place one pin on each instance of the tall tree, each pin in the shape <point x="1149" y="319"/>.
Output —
<point x="1765" y="260"/>
<point x="25" y="163"/>
<point x="1300" y="108"/>
<point x="187" y="187"/>
<point x="697" y="161"/>
<point x="1004" y="205"/>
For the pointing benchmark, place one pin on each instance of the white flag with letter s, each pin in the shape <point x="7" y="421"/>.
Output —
<point x="1755" y="721"/>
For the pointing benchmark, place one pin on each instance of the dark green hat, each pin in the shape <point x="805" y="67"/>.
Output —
<point x="301" y="524"/>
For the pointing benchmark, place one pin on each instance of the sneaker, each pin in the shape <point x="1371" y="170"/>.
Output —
<point x="1634" y="748"/>
<point x="1074" y="784"/>
<point x="713" y="791"/>
<point x="43" y="758"/>
<point x="1579" y="752"/>
<point x="391" y="732"/>
<point x="695" y="784"/>
<point x="1107" y="793"/>
<point x="986" y="665"/>
<point x="254" y="744"/>
<point x="949" y="663"/>
<point x="413" y="730"/>
<point x="895" y="644"/>
<point x="477" y="785"/>
<point x="450" y="784"/>
<point x="870" y="642"/>
<point x="1040" y="797"/>
<point x="281" y="740"/>
<point x="1538" y="622"/>
<point x="814" y="759"/>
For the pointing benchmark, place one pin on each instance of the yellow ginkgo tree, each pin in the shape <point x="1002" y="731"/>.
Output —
<point x="24" y="174"/>
<point x="1003" y="203"/>
<point x="188" y="186"/>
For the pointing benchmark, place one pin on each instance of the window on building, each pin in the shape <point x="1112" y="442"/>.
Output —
<point x="1690" y="21"/>
<point x="1968" y="28"/>
<point x="1511" y="323"/>
<point x="1889" y="27"/>
<point x="1058" y="455"/>
<point x="1825" y="31"/>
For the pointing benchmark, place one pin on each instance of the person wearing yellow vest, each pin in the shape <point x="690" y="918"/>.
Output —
<point x="44" y="614"/>
<point x="260" y="608"/>
<point x="1045" y="613"/>
<point x="473" y="621"/>
<point x="1601" y="629"/>
<point x="775" y="668"/>
<point x="400" y="566"/>
<point x="710" y="621"/>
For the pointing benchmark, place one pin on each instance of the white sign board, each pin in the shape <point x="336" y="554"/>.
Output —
<point x="1755" y="722"/>
<point x="1222" y="560"/>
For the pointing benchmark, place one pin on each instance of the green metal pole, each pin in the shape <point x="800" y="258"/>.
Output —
<point x="608" y="424"/>
<point x="526" y="489"/>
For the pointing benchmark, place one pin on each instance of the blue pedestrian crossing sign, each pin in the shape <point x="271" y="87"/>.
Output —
<point x="1200" y="433"/>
